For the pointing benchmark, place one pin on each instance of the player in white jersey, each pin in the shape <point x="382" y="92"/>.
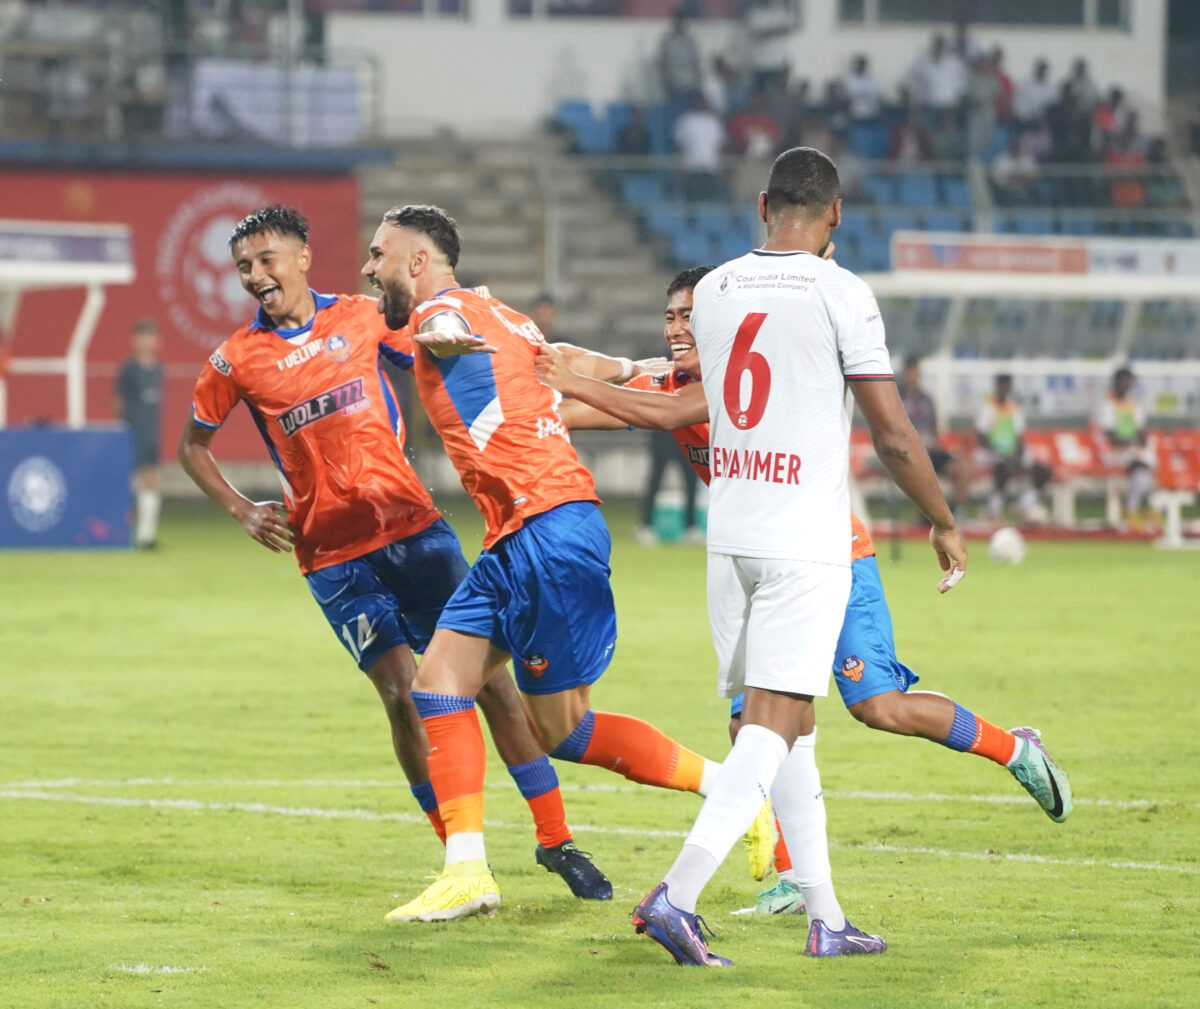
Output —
<point x="780" y="332"/>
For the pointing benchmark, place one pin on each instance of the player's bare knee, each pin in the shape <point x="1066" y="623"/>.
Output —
<point x="879" y="712"/>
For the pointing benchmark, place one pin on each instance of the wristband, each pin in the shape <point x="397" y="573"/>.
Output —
<point x="626" y="369"/>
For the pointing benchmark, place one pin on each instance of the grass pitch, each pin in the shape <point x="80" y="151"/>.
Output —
<point x="199" y="806"/>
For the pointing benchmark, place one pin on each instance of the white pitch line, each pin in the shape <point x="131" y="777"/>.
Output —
<point x="1014" y="799"/>
<point x="192" y="805"/>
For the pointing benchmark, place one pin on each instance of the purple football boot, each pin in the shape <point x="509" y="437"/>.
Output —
<point x="678" y="932"/>
<point x="824" y="941"/>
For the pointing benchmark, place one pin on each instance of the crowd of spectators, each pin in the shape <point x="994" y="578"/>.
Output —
<point x="958" y="102"/>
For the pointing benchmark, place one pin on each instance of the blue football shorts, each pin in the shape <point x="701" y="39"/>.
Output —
<point x="391" y="596"/>
<point x="865" y="662"/>
<point x="542" y="595"/>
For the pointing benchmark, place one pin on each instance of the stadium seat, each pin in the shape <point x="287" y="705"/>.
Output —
<point x="661" y="126"/>
<point x="573" y="113"/>
<point x="595" y="137"/>
<point x="869" y="141"/>
<point x="944" y="222"/>
<point x="881" y="189"/>
<point x="917" y="189"/>
<point x="690" y="249"/>
<point x="956" y="192"/>
<point x="1033" y="224"/>
<point x="641" y="188"/>
<point x="619" y="115"/>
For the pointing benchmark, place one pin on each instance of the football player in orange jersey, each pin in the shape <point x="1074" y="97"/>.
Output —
<point x="540" y="591"/>
<point x="376" y="554"/>
<point x="873" y="683"/>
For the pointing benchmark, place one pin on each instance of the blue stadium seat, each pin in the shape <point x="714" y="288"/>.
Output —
<point x="1001" y="140"/>
<point x="641" y="188"/>
<point x="896" y="220"/>
<point x="944" y="222"/>
<point x="955" y="191"/>
<point x="619" y="116"/>
<point x="713" y="222"/>
<point x="881" y="189"/>
<point x="875" y="253"/>
<point x="733" y="246"/>
<point x="661" y="125"/>
<point x="573" y="113"/>
<point x="1033" y="224"/>
<point x="869" y="141"/>
<point x="690" y="249"/>
<point x="1077" y="226"/>
<point x="917" y="189"/>
<point x="596" y="137"/>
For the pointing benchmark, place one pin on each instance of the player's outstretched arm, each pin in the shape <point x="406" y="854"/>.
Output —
<point x="641" y="408"/>
<point x="266" y="522"/>
<point x="903" y="455"/>
<point x="593" y="364"/>
<point x="447" y="335"/>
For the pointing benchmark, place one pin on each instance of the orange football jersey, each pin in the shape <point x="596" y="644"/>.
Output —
<point x="331" y="423"/>
<point x="694" y="443"/>
<point x="497" y="422"/>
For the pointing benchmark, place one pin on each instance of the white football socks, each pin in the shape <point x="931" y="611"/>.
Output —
<point x="737" y="794"/>
<point x="800" y="806"/>
<point x="708" y="776"/>
<point x="149" y="504"/>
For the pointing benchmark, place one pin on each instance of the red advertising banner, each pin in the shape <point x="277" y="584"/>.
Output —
<point x="180" y="224"/>
<point x="991" y="254"/>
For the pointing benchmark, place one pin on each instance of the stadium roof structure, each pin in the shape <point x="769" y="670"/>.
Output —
<point x="39" y="255"/>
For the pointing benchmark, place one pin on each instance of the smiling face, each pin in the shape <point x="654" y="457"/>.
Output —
<point x="394" y="254"/>
<point x="273" y="269"/>
<point x="678" y="333"/>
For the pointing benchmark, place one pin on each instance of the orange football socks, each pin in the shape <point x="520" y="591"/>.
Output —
<point x="632" y="748"/>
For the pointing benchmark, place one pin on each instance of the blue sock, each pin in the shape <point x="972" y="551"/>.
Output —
<point x="423" y="793"/>
<point x="575" y="745"/>
<point x="962" y="732"/>
<point x="430" y="705"/>
<point x="535" y="778"/>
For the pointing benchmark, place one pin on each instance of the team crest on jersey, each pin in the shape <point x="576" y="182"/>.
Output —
<point x="724" y="284"/>
<point x="852" y="668"/>
<point x="338" y="348"/>
<point x="217" y="360"/>
<point x="537" y="664"/>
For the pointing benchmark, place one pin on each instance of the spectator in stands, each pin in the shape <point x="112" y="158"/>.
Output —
<point x="1163" y="187"/>
<point x="863" y="92"/>
<point x="1006" y="94"/>
<point x="700" y="139"/>
<point x="754" y="132"/>
<point x="544" y="313"/>
<point x="923" y="414"/>
<point x="733" y="80"/>
<point x="137" y="403"/>
<point x="768" y="25"/>
<point x="634" y="137"/>
<point x="851" y="170"/>
<point x="945" y="138"/>
<point x="999" y="426"/>
<point x="67" y="95"/>
<point x="980" y="98"/>
<point x="834" y="107"/>
<point x="1070" y="132"/>
<point x="1082" y="87"/>
<point x="679" y="62"/>
<point x="964" y="45"/>
<point x="1126" y="192"/>
<point x="939" y="80"/>
<point x="1014" y="174"/>
<point x="1034" y="96"/>
<point x="910" y="141"/>
<point x="1109" y="119"/>
<point x="1121" y="423"/>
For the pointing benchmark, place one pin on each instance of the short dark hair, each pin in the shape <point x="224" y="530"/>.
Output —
<point x="802" y="178"/>
<point x="145" y="325"/>
<point x="688" y="278"/>
<point x="278" y="218"/>
<point x="544" y="298"/>
<point x="431" y="221"/>
<point x="912" y="361"/>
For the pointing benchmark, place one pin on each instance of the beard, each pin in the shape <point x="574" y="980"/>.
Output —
<point x="397" y="307"/>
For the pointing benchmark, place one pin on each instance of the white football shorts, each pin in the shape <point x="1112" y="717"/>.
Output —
<point x="775" y="623"/>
